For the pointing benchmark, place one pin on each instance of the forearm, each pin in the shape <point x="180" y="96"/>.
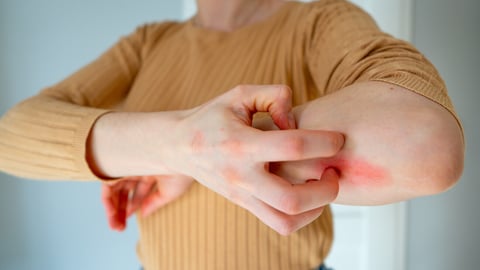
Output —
<point x="215" y="144"/>
<point x="399" y="145"/>
<point x="48" y="138"/>
<point x="127" y="144"/>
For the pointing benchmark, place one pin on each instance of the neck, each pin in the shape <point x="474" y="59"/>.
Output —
<point x="228" y="15"/>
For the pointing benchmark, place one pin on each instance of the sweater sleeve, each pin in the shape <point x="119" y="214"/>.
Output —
<point x="44" y="137"/>
<point x="344" y="46"/>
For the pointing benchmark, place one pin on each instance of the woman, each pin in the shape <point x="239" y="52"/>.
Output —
<point x="167" y="115"/>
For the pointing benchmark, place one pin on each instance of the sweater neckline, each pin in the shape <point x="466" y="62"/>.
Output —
<point x="205" y="33"/>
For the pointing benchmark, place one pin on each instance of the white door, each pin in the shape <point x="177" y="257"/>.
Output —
<point x="368" y="238"/>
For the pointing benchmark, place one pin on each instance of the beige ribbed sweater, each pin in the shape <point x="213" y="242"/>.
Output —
<point x="315" y="48"/>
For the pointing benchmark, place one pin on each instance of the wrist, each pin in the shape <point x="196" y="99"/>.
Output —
<point x="126" y="144"/>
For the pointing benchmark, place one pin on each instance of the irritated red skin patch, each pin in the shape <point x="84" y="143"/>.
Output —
<point x="356" y="171"/>
<point x="197" y="141"/>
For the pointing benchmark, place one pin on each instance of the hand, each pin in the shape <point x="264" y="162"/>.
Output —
<point x="217" y="145"/>
<point x="147" y="193"/>
<point x="296" y="172"/>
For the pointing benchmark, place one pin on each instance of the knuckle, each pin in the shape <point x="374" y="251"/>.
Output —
<point x="334" y="143"/>
<point x="295" y="147"/>
<point x="233" y="195"/>
<point x="240" y="89"/>
<point x="284" y="92"/>
<point x="231" y="176"/>
<point x="233" y="147"/>
<point x="320" y="210"/>
<point x="241" y="113"/>
<point x="286" y="226"/>
<point x="290" y="203"/>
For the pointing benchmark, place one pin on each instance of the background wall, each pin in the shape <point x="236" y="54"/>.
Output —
<point x="444" y="230"/>
<point x="46" y="225"/>
<point x="58" y="226"/>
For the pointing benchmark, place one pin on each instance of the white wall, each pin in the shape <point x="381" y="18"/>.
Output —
<point x="61" y="226"/>
<point x="444" y="231"/>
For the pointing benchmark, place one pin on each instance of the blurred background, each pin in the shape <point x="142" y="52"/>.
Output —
<point x="61" y="225"/>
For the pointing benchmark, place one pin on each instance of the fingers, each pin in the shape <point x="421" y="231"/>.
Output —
<point x="280" y="222"/>
<point x="115" y="199"/>
<point x="295" y="199"/>
<point x="110" y="200"/>
<point x="147" y="193"/>
<point x="141" y="191"/>
<point x="287" y="214"/>
<point x="275" y="99"/>
<point x="107" y="200"/>
<point x="121" y="213"/>
<point x="169" y="188"/>
<point x="279" y="145"/>
<point x="297" y="172"/>
<point x="288" y="145"/>
<point x="123" y="198"/>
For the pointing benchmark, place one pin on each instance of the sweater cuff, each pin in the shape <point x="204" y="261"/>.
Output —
<point x="80" y="143"/>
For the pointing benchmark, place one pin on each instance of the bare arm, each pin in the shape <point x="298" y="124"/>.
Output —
<point x="402" y="140"/>
<point x="399" y="144"/>
<point x="215" y="144"/>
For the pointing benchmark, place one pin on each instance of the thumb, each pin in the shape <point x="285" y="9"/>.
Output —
<point x="275" y="99"/>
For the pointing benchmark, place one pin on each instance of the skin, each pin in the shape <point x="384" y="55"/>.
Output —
<point x="140" y="194"/>
<point x="401" y="146"/>
<point x="412" y="142"/>
<point x="216" y="144"/>
<point x="358" y="171"/>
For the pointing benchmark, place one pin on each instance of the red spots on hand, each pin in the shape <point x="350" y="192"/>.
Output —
<point x="197" y="142"/>
<point x="356" y="170"/>
<point x="233" y="146"/>
<point x="231" y="175"/>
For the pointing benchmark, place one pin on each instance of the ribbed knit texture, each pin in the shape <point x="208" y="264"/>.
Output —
<point x="315" y="48"/>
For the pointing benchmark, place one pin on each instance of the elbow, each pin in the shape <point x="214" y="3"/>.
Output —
<point x="447" y="175"/>
<point x="451" y="172"/>
<point x="442" y="156"/>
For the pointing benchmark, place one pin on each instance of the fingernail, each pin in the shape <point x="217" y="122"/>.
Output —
<point x="332" y="170"/>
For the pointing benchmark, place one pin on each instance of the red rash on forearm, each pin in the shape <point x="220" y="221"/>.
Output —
<point x="356" y="171"/>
